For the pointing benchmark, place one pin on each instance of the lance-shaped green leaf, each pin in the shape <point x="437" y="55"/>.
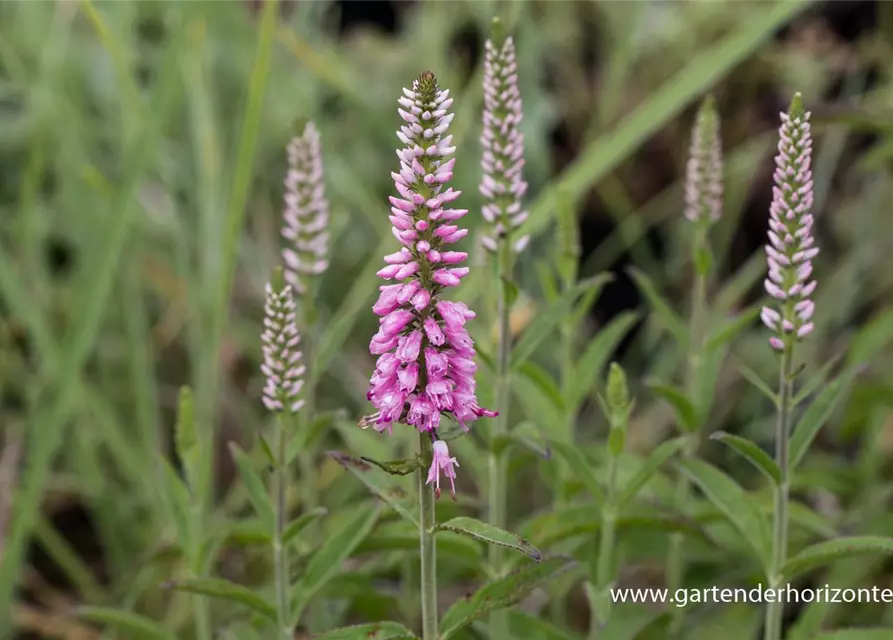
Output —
<point x="296" y="526"/>
<point x="873" y="338"/>
<point x="134" y="625"/>
<point x="186" y="441"/>
<point x="818" y="413"/>
<point x="491" y="535"/>
<point x="380" y="484"/>
<point x="526" y="626"/>
<point x="396" y="467"/>
<point x="499" y="594"/>
<point x="728" y="496"/>
<point x="655" y="461"/>
<point x="824" y="553"/>
<point x="371" y="631"/>
<point x="538" y="396"/>
<point x="399" y="535"/>
<point x="754" y="379"/>
<point x="229" y="591"/>
<point x="590" y="365"/>
<point x="731" y="328"/>
<point x="752" y="453"/>
<point x="525" y="435"/>
<point x="544" y="325"/>
<point x="257" y="492"/>
<point x="662" y="309"/>
<point x="686" y="415"/>
<point x="582" y="468"/>
<point x="326" y="562"/>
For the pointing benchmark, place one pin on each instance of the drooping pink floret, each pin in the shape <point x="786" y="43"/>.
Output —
<point x="425" y="366"/>
<point x="791" y="244"/>
<point x="306" y="217"/>
<point x="502" y="162"/>
<point x="442" y="462"/>
<point x="282" y="360"/>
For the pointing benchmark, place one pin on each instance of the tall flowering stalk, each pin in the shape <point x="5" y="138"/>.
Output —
<point x="425" y="368"/>
<point x="789" y="255"/>
<point x="503" y="187"/>
<point x="305" y="255"/>
<point x="703" y="207"/>
<point x="284" y="373"/>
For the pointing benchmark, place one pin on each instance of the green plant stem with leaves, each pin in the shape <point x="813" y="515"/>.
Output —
<point x="782" y="493"/>
<point x="427" y="549"/>
<point x="498" y="467"/>
<point x="675" y="569"/>
<point x="279" y="491"/>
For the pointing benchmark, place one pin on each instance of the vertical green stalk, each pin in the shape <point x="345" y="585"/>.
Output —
<point x="308" y="411"/>
<point x="675" y="569"/>
<point x="498" y="463"/>
<point x="604" y="567"/>
<point x="782" y="492"/>
<point x="427" y="550"/>
<point x="280" y="553"/>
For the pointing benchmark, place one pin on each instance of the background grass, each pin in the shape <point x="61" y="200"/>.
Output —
<point x="141" y="166"/>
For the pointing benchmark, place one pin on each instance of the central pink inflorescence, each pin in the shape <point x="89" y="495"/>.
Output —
<point x="425" y="366"/>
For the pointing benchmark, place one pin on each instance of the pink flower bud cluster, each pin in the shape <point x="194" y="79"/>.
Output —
<point x="306" y="214"/>
<point x="791" y="244"/>
<point x="503" y="185"/>
<point x="703" y="180"/>
<point x="282" y="361"/>
<point x="425" y="367"/>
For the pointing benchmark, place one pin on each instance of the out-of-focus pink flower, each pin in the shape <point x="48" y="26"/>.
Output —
<point x="282" y="360"/>
<point x="791" y="247"/>
<point x="306" y="217"/>
<point x="703" y="179"/>
<point x="502" y="162"/>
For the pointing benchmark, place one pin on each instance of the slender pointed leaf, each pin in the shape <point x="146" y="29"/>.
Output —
<point x="380" y="484"/>
<point x="371" y="631"/>
<point x="135" y="625"/>
<point x="661" y="308"/>
<point x="590" y="365"/>
<point x="686" y="416"/>
<point x="296" y="526"/>
<point x="818" y="413"/>
<point x="582" y="468"/>
<point x="545" y="323"/>
<point x="753" y="378"/>
<point x="179" y="505"/>
<point x="752" y="453"/>
<point x="229" y="591"/>
<point x="491" y="535"/>
<point x="257" y="492"/>
<point x="187" y="442"/>
<point x="824" y="553"/>
<point x="655" y="461"/>
<point x="326" y="562"/>
<point x="499" y="594"/>
<point x="731" y="328"/>
<point x="727" y="496"/>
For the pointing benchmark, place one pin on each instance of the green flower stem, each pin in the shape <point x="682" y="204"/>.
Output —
<point x="498" y="466"/>
<point x="782" y="493"/>
<point x="604" y="566"/>
<point x="280" y="553"/>
<point x="427" y="549"/>
<point x="675" y="569"/>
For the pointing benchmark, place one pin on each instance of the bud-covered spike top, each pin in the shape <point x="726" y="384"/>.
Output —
<point x="503" y="185"/>
<point x="703" y="181"/>
<point x="282" y="361"/>
<point x="425" y="364"/>
<point x="790" y="250"/>
<point x="306" y="217"/>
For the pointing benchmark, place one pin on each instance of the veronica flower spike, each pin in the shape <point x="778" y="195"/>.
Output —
<point x="502" y="161"/>
<point x="790" y="252"/>
<point x="306" y="217"/>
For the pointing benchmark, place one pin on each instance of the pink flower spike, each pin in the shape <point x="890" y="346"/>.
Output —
<point x="503" y="143"/>
<point x="791" y="244"/>
<point x="426" y="357"/>
<point x="306" y="215"/>
<point x="442" y="462"/>
<point x="281" y="365"/>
